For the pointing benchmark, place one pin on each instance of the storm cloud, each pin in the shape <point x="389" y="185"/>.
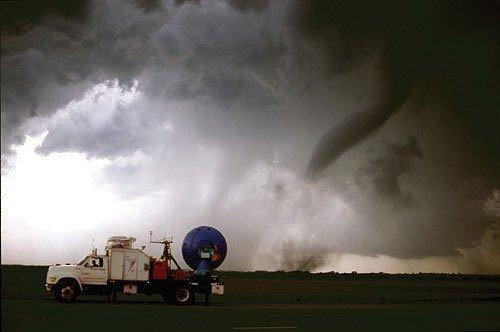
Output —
<point x="217" y="109"/>
<point x="419" y="44"/>
<point x="389" y="165"/>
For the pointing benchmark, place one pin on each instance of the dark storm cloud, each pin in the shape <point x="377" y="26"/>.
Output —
<point x="247" y="5"/>
<point x="447" y="55"/>
<point x="385" y="170"/>
<point x="228" y="89"/>
<point x="455" y="43"/>
<point x="58" y="59"/>
<point x="149" y="5"/>
<point x="194" y="54"/>
<point x="346" y="133"/>
<point x="19" y="90"/>
<point x="18" y="17"/>
<point x="232" y="95"/>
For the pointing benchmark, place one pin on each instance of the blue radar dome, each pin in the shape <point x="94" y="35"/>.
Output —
<point x="204" y="248"/>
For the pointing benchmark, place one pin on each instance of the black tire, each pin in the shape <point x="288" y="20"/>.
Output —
<point x="184" y="295"/>
<point x="66" y="291"/>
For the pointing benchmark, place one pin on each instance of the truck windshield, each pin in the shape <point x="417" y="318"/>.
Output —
<point x="82" y="260"/>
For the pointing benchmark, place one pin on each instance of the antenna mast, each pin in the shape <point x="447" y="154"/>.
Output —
<point x="167" y="253"/>
<point x="94" y="249"/>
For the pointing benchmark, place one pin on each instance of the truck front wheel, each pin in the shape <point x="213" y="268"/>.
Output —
<point x="66" y="291"/>
<point x="184" y="295"/>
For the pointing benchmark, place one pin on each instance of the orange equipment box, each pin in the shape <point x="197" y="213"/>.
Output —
<point x="160" y="270"/>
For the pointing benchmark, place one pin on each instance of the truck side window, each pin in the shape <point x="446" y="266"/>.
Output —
<point x="97" y="262"/>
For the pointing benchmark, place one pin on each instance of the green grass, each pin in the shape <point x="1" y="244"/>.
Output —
<point x="27" y="282"/>
<point x="311" y="302"/>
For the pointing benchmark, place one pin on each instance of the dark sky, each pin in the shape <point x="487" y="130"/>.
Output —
<point x="303" y="131"/>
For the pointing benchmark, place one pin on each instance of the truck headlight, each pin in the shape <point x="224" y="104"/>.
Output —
<point x="52" y="279"/>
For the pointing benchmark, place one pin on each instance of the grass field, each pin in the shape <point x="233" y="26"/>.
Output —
<point x="269" y="301"/>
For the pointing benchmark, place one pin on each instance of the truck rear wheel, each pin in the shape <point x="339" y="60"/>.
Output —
<point x="66" y="291"/>
<point x="184" y="295"/>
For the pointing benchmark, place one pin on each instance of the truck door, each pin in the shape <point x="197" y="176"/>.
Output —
<point x="130" y="268"/>
<point x="94" y="271"/>
<point x="116" y="266"/>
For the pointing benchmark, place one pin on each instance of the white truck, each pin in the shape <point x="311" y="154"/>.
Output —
<point x="128" y="270"/>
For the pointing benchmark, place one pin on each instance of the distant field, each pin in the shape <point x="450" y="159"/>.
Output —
<point x="295" y="301"/>
<point x="27" y="282"/>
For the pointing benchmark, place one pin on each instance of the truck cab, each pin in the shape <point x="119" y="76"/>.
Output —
<point x="91" y="270"/>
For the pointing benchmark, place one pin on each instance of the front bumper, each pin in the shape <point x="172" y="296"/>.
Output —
<point x="49" y="287"/>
